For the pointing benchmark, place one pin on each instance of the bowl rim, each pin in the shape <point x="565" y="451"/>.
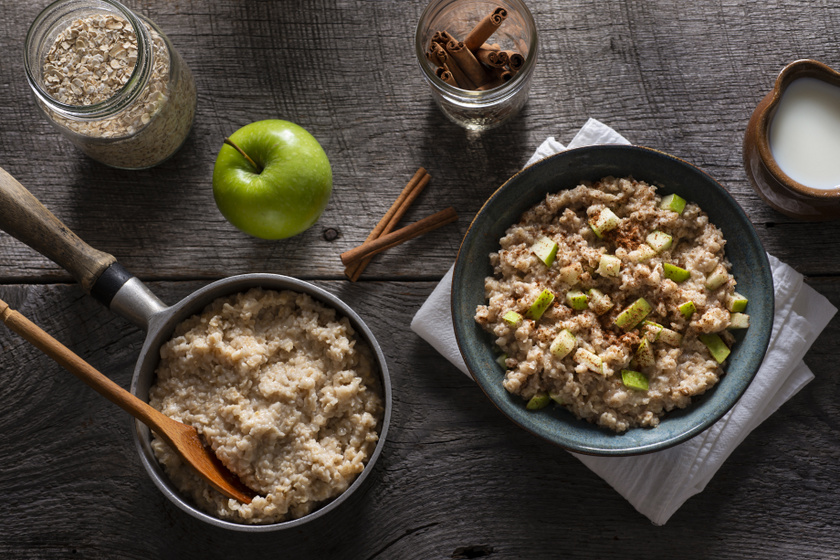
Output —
<point x="583" y="448"/>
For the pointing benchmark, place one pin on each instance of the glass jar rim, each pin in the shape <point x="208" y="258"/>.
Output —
<point x="126" y="95"/>
<point x="476" y="95"/>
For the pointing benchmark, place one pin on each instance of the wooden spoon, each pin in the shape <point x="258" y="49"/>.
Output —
<point x="183" y="439"/>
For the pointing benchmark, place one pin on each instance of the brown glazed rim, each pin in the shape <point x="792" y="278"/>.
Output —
<point x="798" y="69"/>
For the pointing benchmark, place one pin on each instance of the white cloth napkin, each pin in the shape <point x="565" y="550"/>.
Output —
<point x="657" y="484"/>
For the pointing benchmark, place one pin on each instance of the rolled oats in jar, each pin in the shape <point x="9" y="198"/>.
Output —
<point x="110" y="81"/>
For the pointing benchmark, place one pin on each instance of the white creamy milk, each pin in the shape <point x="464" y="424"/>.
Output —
<point x="805" y="133"/>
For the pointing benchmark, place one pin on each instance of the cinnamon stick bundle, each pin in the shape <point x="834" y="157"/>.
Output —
<point x="459" y="76"/>
<point x="473" y="63"/>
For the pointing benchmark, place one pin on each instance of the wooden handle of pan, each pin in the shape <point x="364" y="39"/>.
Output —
<point x="25" y="218"/>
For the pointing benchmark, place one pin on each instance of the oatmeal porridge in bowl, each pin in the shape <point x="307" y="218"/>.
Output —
<point x="614" y="300"/>
<point x="284" y="382"/>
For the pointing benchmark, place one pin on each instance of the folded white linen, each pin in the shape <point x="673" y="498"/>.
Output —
<point x="657" y="484"/>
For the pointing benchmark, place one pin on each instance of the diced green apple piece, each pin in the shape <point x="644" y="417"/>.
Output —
<point x="642" y="254"/>
<point x="736" y="303"/>
<point x="717" y="278"/>
<point x="716" y="346"/>
<point x="599" y="302"/>
<point x="633" y="315"/>
<point x="687" y="309"/>
<point x="538" y="401"/>
<point x="675" y="273"/>
<point x="512" y="318"/>
<point x="673" y="202"/>
<point x="571" y="274"/>
<point x="545" y="249"/>
<point x="604" y="221"/>
<point x="577" y="300"/>
<point x="562" y="344"/>
<point x="634" y="380"/>
<point x="644" y="354"/>
<point x="543" y="301"/>
<point x="669" y="337"/>
<point x="659" y="241"/>
<point x="609" y="266"/>
<point x="739" y="320"/>
<point x="590" y="360"/>
<point x="651" y="330"/>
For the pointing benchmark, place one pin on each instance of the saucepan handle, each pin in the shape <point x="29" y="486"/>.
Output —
<point x="25" y="218"/>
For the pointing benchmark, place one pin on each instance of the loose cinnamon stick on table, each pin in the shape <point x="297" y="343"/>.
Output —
<point x="392" y="217"/>
<point x="485" y="28"/>
<point x="427" y="224"/>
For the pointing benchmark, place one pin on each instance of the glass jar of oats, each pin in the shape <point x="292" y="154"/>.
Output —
<point x="110" y="81"/>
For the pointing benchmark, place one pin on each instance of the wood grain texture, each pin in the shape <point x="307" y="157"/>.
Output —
<point x="683" y="79"/>
<point x="454" y="476"/>
<point x="456" y="480"/>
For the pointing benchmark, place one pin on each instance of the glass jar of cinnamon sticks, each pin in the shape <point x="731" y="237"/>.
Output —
<point x="478" y="57"/>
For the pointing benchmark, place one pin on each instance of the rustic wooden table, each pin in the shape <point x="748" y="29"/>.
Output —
<point x="456" y="480"/>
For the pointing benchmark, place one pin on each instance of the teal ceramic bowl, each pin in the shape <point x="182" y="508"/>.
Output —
<point x="566" y="170"/>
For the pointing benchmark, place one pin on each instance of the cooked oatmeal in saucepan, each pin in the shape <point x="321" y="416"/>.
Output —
<point x="613" y="302"/>
<point x="284" y="392"/>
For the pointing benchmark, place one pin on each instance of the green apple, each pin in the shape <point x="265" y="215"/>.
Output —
<point x="717" y="347"/>
<point x="273" y="180"/>
<point x="645" y="356"/>
<point x="675" y="273"/>
<point x="512" y="318"/>
<point x="673" y="202"/>
<point x="543" y="302"/>
<point x="604" y="221"/>
<point x="633" y="315"/>
<point x="538" y="401"/>
<point x="687" y="309"/>
<point x="659" y="241"/>
<point x="634" y="380"/>
<point x="563" y="344"/>
<point x="545" y="249"/>
<point x="577" y="300"/>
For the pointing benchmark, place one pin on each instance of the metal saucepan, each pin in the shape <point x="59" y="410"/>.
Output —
<point x="100" y="275"/>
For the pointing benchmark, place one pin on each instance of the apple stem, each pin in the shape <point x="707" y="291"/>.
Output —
<point x="232" y="144"/>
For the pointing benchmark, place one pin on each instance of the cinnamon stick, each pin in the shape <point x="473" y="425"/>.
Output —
<point x="515" y="60"/>
<point x="392" y="217"/>
<point x="467" y="62"/>
<point x="461" y="79"/>
<point x="444" y="74"/>
<point x="486" y="27"/>
<point x="492" y="58"/>
<point x="376" y="246"/>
